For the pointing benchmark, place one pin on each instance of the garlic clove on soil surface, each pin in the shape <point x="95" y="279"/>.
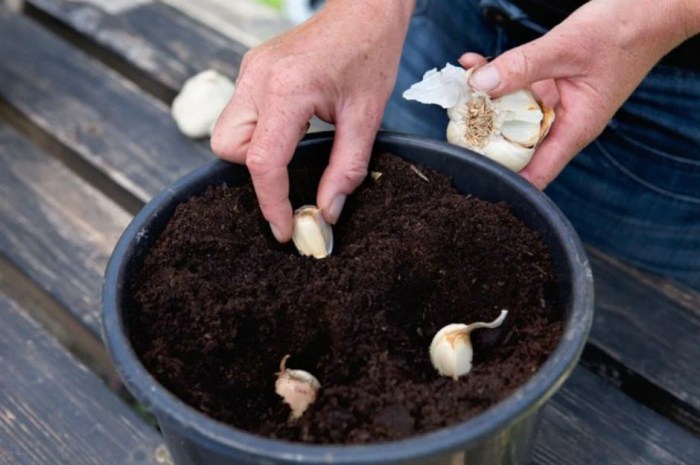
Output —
<point x="200" y="102"/>
<point x="297" y="388"/>
<point x="451" y="350"/>
<point x="506" y="129"/>
<point x="312" y="236"/>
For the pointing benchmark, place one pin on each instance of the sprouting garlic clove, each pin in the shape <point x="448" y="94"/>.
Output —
<point x="506" y="129"/>
<point x="312" y="236"/>
<point x="451" y="350"/>
<point x="297" y="388"/>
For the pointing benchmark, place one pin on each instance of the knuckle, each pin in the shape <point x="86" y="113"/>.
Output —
<point x="256" y="160"/>
<point x="520" y="62"/>
<point x="355" y="172"/>
<point x="221" y="146"/>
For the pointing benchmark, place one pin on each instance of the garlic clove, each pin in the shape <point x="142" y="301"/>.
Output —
<point x="520" y="105"/>
<point x="298" y="388"/>
<point x="547" y="121"/>
<point x="521" y="132"/>
<point x="312" y="236"/>
<point x="200" y="102"/>
<point x="513" y="156"/>
<point x="451" y="350"/>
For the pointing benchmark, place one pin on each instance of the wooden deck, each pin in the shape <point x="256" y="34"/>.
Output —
<point x="86" y="139"/>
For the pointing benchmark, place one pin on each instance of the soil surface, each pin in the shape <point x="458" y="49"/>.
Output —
<point x="218" y="303"/>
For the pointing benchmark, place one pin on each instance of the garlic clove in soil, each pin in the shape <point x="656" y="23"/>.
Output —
<point x="506" y="129"/>
<point x="312" y="236"/>
<point x="451" y="350"/>
<point x="297" y="388"/>
<point x="200" y="102"/>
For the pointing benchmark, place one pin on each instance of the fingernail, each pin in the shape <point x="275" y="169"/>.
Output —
<point x="335" y="208"/>
<point x="485" y="79"/>
<point x="276" y="232"/>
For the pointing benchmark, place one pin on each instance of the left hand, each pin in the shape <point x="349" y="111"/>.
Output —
<point x="586" y="68"/>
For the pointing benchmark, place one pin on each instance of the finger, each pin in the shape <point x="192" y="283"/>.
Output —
<point x="347" y="166"/>
<point x="518" y="68"/>
<point x="470" y="59"/>
<point x="546" y="92"/>
<point x="564" y="141"/>
<point x="271" y="148"/>
<point x="233" y="130"/>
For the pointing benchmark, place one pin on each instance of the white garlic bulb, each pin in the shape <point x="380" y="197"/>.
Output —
<point x="506" y="129"/>
<point x="451" y="350"/>
<point x="200" y="102"/>
<point x="297" y="388"/>
<point x="312" y="235"/>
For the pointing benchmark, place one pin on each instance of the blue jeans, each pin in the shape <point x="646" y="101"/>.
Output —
<point x="635" y="191"/>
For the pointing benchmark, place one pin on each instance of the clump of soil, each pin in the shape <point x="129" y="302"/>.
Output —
<point x="218" y="303"/>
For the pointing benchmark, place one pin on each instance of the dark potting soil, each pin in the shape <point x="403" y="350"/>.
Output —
<point x="218" y="303"/>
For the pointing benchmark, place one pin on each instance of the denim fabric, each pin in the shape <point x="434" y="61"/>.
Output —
<point x="635" y="191"/>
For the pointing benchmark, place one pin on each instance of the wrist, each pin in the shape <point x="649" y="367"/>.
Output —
<point x="690" y="11"/>
<point x="396" y="10"/>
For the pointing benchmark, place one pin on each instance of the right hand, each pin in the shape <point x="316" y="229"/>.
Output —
<point x="341" y="66"/>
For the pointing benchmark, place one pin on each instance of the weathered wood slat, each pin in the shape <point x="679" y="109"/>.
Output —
<point x="589" y="422"/>
<point x="153" y="37"/>
<point x="55" y="227"/>
<point x="104" y="119"/>
<point x="649" y="333"/>
<point x="246" y="21"/>
<point x="55" y="411"/>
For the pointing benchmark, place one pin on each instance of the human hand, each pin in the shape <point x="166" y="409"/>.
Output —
<point x="340" y="66"/>
<point x="585" y="68"/>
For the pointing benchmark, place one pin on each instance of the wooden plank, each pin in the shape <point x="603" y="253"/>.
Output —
<point x="246" y="21"/>
<point x="590" y="422"/>
<point x="107" y="121"/>
<point x="54" y="411"/>
<point x="55" y="227"/>
<point x="650" y="335"/>
<point x="155" y="38"/>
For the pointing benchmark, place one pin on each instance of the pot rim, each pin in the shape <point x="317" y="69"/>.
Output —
<point x="219" y="436"/>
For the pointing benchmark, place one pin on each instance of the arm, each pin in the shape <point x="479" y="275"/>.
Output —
<point x="341" y="66"/>
<point x="591" y="63"/>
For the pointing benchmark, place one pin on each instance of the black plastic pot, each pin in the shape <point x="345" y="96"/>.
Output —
<point x="503" y="434"/>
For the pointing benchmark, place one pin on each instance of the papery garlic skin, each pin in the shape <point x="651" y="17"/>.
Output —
<point x="506" y="129"/>
<point x="312" y="236"/>
<point x="451" y="351"/>
<point x="298" y="388"/>
<point x="200" y="102"/>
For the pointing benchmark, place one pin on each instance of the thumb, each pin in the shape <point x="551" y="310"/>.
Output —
<point x="347" y="166"/>
<point x="518" y="68"/>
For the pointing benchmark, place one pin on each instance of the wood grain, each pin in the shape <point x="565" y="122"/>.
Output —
<point x="590" y="422"/>
<point x="54" y="411"/>
<point x="105" y="120"/>
<point x="648" y="332"/>
<point x="55" y="227"/>
<point x="155" y="38"/>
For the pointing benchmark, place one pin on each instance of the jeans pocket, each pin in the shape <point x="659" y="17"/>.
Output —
<point x="667" y="174"/>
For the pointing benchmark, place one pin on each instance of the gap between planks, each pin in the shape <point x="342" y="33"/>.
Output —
<point x="59" y="322"/>
<point x="102" y="54"/>
<point x="51" y="146"/>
